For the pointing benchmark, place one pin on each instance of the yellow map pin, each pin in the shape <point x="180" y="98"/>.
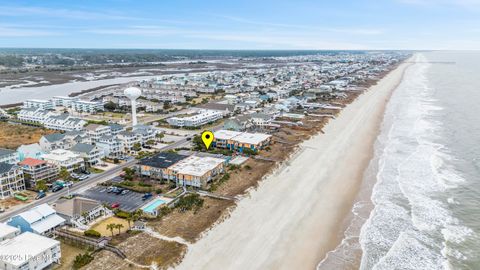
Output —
<point x="207" y="138"/>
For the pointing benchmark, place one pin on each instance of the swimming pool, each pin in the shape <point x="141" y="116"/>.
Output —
<point x="152" y="206"/>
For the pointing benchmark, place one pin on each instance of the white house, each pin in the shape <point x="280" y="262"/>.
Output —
<point x="95" y="131"/>
<point x="111" y="146"/>
<point x="65" y="159"/>
<point x="89" y="152"/>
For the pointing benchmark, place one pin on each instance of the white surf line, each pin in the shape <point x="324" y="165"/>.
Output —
<point x="157" y="235"/>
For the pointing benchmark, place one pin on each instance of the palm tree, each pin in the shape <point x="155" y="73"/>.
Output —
<point x="130" y="218"/>
<point x="119" y="227"/>
<point x="111" y="227"/>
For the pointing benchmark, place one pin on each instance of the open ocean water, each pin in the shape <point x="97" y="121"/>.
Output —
<point x="424" y="210"/>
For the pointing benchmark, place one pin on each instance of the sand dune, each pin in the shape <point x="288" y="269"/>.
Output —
<point x="295" y="215"/>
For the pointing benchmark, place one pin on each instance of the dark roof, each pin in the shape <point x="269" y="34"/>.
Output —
<point x="82" y="148"/>
<point x="54" y="137"/>
<point x="4" y="152"/>
<point x="162" y="160"/>
<point x="5" y="167"/>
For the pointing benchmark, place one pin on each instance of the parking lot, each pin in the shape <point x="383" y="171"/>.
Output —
<point x="129" y="202"/>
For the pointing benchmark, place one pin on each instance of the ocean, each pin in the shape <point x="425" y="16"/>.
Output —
<point x="419" y="206"/>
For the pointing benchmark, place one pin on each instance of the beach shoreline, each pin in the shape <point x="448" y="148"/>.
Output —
<point x="293" y="218"/>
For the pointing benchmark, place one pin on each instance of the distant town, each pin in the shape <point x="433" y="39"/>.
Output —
<point x="118" y="175"/>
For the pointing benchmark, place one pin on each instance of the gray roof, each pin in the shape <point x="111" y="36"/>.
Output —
<point x="116" y="127"/>
<point x="5" y="152"/>
<point x="217" y="106"/>
<point x="82" y="148"/>
<point x="54" y="137"/>
<point x="5" y="167"/>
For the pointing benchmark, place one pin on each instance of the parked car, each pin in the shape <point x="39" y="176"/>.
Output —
<point x="118" y="191"/>
<point x="40" y="195"/>
<point x="146" y="196"/>
<point x="110" y="189"/>
<point x="115" y="205"/>
<point x="126" y="191"/>
<point x="68" y="184"/>
<point x="57" y="188"/>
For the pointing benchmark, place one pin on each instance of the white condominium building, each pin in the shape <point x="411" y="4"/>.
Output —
<point x="86" y="106"/>
<point x="38" y="103"/>
<point x="202" y="118"/>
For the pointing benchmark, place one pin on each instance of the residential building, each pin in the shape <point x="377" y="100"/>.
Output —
<point x="34" y="115"/>
<point x="144" y="132"/>
<point x="8" y="156"/>
<point x="38" y="103"/>
<point x="156" y="167"/>
<point x="116" y="128"/>
<point x="29" y="251"/>
<point x="41" y="220"/>
<point x="225" y="109"/>
<point x="90" y="153"/>
<point x="11" y="180"/>
<point x="61" y="101"/>
<point x="33" y="150"/>
<point x="196" y="171"/>
<point x="110" y="146"/>
<point x="261" y="119"/>
<point x="53" y="141"/>
<point x="8" y="232"/>
<point x="65" y="159"/>
<point x="86" y="106"/>
<point x="35" y="170"/>
<point x="128" y="140"/>
<point x="202" y="118"/>
<point x="64" y="122"/>
<point x="95" y="131"/>
<point x="234" y="140"/>
<point x="79" y="212"/>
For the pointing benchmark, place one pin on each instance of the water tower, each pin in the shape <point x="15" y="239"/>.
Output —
<point x="133" y="93"/>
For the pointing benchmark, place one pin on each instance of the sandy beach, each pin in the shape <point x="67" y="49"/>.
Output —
<point x="293" y="219"/>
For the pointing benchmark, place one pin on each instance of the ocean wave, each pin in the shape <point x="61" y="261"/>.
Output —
<point x="411" y="226"/>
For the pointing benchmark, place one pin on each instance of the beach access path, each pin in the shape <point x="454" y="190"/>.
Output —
<point x="295" y="216"/>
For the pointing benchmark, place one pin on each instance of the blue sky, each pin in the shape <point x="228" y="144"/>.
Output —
<point x="271" y="24"/>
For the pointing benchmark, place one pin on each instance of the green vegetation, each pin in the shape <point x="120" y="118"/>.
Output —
<point x="216" y="184"/>
<point x="92" y="233"/>
<point x="81" y="260"/>
<point x="129" y="174"/>
<point x="248" y="167"/>
<point x="249" y="152"/>
<point x="64" y="174"/>
<point x="98" y="122"/>
<point x="41" y="185"/>
<point x="189" y="202"/>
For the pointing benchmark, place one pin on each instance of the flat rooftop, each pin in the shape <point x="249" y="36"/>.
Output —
<point x="196" y="166"/>
<point x="18" y="250"/>
<point x="162" y="160"/>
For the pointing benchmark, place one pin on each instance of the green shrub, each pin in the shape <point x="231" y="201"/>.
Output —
<point x="81" y="260"/>
<point x="189" y="202"/>
<point x="92" y="233"/>
<point x="122" y="214"/>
